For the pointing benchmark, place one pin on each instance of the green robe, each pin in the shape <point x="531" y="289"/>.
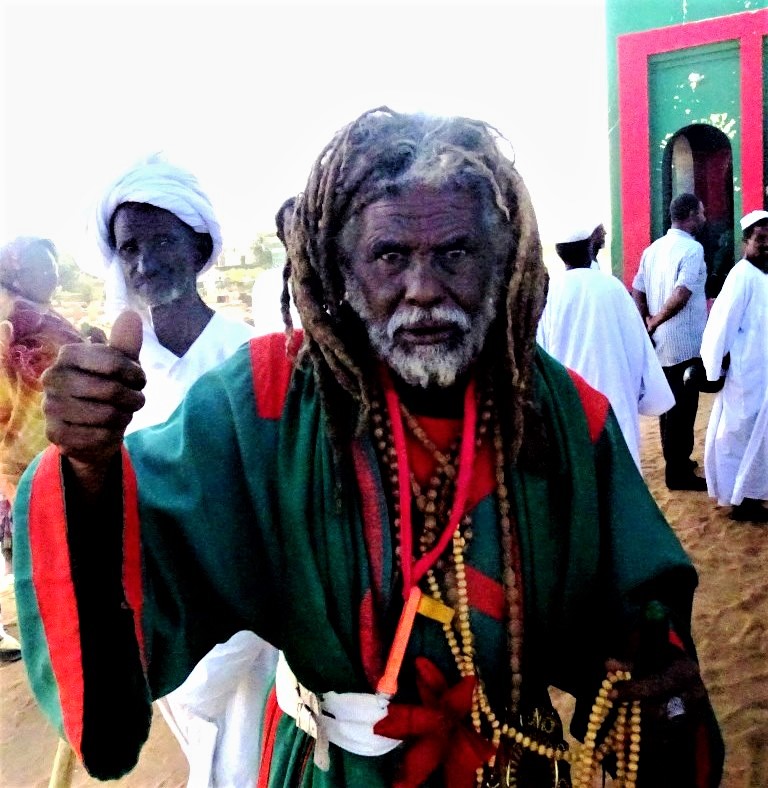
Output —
<point x="243" y="527"/>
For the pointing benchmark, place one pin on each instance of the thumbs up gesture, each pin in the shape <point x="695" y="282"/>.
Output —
<point x="91" y="393"/>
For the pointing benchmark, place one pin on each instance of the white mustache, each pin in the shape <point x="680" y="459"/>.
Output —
<point x="409" y="316"/>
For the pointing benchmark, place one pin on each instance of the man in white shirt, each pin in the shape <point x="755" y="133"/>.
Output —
<point x="736" y="450"/>
<point x="669" y="292"/>
<point x="157" y="232"/>
<point x="591" y="325"/>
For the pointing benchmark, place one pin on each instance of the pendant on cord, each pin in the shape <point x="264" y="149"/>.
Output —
<point x="517" y="766"/>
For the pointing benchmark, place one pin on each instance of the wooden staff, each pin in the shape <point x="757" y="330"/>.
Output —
<point x="63" y="766"/>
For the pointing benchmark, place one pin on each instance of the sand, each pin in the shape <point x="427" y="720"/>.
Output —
<point x="730" y="626"/>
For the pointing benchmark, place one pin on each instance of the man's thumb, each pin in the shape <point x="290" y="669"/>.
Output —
<point x="126" y="334"/>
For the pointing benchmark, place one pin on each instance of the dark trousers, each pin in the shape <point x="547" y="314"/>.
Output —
<point x="676" y="424"/>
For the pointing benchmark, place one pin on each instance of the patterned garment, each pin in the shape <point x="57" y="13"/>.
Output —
<point x="30" y="338"/>
<point x="247" y="521"/>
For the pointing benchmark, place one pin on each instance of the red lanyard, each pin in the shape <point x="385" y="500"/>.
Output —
<point x="413" y="571"/>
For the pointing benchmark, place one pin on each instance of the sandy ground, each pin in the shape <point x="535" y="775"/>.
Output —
<point x="730" y="624"/>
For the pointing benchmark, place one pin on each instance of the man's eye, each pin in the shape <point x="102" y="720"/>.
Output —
<point x="391" y="258"/>
<point x="456" y="254"/>
<point x="451" y="258"/>
<point x="128" y="248"/>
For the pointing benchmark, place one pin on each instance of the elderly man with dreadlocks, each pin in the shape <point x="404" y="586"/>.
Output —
<point x="433" y="520"/>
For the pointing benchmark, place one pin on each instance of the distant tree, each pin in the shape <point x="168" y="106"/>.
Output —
<point x="260" y="254"/>
<point x="72" y="280"/>
<point x="69" y="273"/>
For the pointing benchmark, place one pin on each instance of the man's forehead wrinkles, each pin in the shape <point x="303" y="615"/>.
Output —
<point x="444" y="220"/>
<point x="433" y="235"/>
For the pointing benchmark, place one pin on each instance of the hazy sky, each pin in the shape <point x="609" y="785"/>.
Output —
<point x="246" y="94"/>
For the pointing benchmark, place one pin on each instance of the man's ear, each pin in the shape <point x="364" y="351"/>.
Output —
<point x="205" y="249"/>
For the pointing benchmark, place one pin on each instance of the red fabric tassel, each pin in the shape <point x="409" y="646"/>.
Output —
<point x="436" y="732"/>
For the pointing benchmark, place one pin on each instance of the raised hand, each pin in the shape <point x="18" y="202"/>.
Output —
<point x="91" y="393"/>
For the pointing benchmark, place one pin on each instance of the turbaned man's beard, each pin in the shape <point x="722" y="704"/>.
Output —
<point x="440" y="364"/>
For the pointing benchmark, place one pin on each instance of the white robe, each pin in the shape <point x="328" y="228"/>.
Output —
<point x="170" y="376"/>
<point x="736" y="448"/>
<point x="591" y="325"/>
<point x="216" y="713"/>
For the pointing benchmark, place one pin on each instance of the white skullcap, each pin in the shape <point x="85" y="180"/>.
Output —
<point x="753" y="217"/>
<point x="576" y="230"/>
<point x="156" y="182"/>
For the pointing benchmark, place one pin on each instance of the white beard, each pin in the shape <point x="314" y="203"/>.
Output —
<point x="427" y="365"/>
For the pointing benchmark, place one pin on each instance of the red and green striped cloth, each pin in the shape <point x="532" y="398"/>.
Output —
<point x="248" y="522"/>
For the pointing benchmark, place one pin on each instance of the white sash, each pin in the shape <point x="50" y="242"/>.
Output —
<point x="344" y="718"/>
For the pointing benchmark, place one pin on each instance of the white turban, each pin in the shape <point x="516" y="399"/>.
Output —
<point x="153" y="181"/>
<point x="577" y="228"/>
<point x="753" y="217"/>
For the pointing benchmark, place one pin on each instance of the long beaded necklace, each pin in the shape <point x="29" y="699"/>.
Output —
<point x="434" y="503"/>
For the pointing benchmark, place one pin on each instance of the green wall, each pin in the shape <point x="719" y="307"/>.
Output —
<point x="678" y="102"/>
<point x="631" y="16"/>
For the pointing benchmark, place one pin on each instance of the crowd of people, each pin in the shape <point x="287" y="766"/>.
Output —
<point x="659" y="364"/>
<point x="360" y="550"/>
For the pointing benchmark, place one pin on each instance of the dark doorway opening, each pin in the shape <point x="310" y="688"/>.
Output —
<point x="699" y="159"/>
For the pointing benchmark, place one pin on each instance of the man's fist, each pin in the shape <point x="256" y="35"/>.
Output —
<point x="91" y="393"/>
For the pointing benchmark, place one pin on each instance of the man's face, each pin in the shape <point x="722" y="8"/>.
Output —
<point x="158" y="253"/>
<point x="424" y="275"/>
<point x="756" y="248"/>
<point x="699" y="219"/>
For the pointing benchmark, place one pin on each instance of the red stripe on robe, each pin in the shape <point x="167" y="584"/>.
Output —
<point x="371" y="646"/>
<point x="372" y="516"/>
<point x="55" y="591"/>
<point x="132" y="574"/>
<point x="486" y="595"/>
<point x="271" y="369"/>
<point x="594" y="403"/>
<point x="272" y="715"/>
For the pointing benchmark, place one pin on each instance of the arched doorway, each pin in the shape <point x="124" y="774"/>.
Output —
<point x="699" y="159"/>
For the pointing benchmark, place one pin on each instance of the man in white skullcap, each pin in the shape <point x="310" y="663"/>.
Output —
<point x="591" y="325"/>
<point x="157" y="232"/>
<point x="736" y="449"/>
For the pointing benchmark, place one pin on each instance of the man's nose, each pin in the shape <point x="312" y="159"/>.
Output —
<point x="422" y="286"/>
<point x="146" y="263"/>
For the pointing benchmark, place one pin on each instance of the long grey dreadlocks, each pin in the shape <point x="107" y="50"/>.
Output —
<point x="371" y="157"/>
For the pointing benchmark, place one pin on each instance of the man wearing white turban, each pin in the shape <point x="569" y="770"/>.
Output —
<point x="591" y="325"/>
<point x="157" y="233"/>
<point x="156" y="275"/>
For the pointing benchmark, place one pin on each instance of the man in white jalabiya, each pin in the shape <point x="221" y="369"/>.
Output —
<point x="736" y="449"/>
<point x="157" y="232"/>
<point x="591" y="325"/>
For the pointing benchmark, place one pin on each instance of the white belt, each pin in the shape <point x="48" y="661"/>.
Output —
<point x="344" y="718"/>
